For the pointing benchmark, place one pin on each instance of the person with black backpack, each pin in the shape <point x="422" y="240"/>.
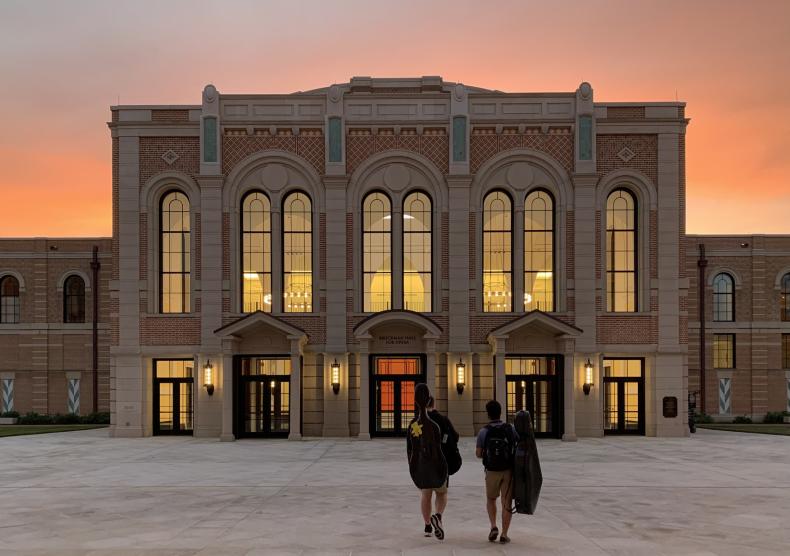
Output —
<point x="496" y="445"/>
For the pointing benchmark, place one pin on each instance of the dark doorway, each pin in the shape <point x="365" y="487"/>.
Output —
<point x="262" y="396"/>
<point x="173" y="396"/>
<point x="624" y="396"/>
<point x="392" y="392"/>
<point x="534" y="384"/>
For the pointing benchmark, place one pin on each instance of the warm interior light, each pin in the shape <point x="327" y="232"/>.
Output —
<point x="273" y="384"/>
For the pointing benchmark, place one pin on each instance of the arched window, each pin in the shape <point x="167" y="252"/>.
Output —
<point x="723" y="297"/>
<point x="9" y="300"/>
<point x="417" y="252"/>
<point x="377" y="253"/>
<point x="297" y="253"/>
<point x="174" y="253"/>
<point x="539" y="252"/>
<point x="497" y="253"/>
<point x="74" y="299"/>
<point x="785" y="301"/>
<point x="621" y="255"/>
<point x="256" y="256"/>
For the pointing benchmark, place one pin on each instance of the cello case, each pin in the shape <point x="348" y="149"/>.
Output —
<point x="527" y="476"/>
<point x="427" y="466"/>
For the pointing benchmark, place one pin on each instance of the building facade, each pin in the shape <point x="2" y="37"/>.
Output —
<point x="741" y="323"/>
<point x="54" y="325"/>
<point x="289" y="265"/>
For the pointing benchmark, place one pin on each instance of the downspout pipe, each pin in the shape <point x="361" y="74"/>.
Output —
<point x="95" y="266"/>
<point x="702" y="264"/>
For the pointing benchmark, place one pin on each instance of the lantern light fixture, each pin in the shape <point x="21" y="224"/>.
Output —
<point x="588" y="377"/>
<point x="460" y="376"/>
<point x="208" y="377"/>
<point x="335" y="373"/>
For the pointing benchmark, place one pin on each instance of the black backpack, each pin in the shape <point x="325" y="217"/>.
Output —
<point x="498" y="448"/>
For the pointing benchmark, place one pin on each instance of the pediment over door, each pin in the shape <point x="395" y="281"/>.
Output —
<point x="535" y="332"/>
<point x="260" y="332"/>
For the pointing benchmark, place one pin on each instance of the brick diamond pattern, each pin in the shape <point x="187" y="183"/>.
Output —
<point x="154" y="149"/>
<point x="435" y="148"/>
<point x="626" y="154"/>
<point x="643" y="147"/>
<point x="235" y="148"/>
<point x="486" y="145"/>
<point x="725" y="396"/>
<point x="170" y="156"/>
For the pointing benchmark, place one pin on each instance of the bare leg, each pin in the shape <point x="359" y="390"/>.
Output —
<point x="507" y="499"/>
<point x="441" y="502"/>
<point x="491" y="507"/>
<point x="425" y="505"/>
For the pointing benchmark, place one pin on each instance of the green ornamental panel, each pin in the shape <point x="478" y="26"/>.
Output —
<point x="459" y="139"/>
<point x="335" y="140"/>
<point x="209" y="139"/>
<point x="585" y="137"/>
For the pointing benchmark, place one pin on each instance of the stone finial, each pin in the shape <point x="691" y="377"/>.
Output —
<point x="209" y="94"/>
<point x="585" y="90"/>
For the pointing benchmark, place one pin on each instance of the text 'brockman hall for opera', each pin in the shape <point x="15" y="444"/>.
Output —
<point x="293" y="264"/>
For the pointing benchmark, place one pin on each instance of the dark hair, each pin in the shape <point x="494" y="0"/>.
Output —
<point x="494" y="410"/>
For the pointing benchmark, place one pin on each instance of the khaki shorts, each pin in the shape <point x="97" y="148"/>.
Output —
<point x="441" y="490"/>
<point x="499" y="483"/>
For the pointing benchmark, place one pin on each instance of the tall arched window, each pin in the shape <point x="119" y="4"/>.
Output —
<point x="497" y="253"/>
<point x="256" y="270"/>
<point x="9" y="300"/>
<point x="723" y="297"/>
<point x="621" y="255"/>
<point x="377" y="252"/>
<point x="174" y="253"/>
<point x="785" y="301"/>
<point x="539" y="252"/>
<point x="74" y="299"/>
<point x="297" y="253"/>
<point x="417" y="252"/>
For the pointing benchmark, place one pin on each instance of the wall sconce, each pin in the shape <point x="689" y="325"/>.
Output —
<point x="588" y="377"/>
<point x="460" y="376"/>
<point x="335" y="368"/>
<point x="208" y="377"/>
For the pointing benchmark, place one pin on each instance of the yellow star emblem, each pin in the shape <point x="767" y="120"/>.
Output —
<point x="416" y="429"/>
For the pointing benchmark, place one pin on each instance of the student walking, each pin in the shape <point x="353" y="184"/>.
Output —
<point x="427" y="465"/>
<point x="449" y="439"/>
<point x="496" y="444"/>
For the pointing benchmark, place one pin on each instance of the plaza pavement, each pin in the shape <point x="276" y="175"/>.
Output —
<point x="84" y="493"/>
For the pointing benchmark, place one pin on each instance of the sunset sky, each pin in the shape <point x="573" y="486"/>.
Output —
<point x="64" y="63"/>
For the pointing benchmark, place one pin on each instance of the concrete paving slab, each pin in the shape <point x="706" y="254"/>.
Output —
<point x="82" y="493"/>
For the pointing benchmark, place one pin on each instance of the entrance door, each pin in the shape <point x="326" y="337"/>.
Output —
<point x="623" y="391"/>
<point x="534" y="385"/>
<point x="392" y="393"/>
<point x="263" y="389"/>
<point x="173" y="384"/>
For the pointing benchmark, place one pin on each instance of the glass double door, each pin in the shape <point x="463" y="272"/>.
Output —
<point x="392" y="384"/>
<point x="263" y="395"/>
<point x="623" y="392"/>
<point x="533" y="385"/>
<point x="173" y="396"/>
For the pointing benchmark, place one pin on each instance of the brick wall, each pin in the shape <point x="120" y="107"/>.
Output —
<point x="485" y="143"/>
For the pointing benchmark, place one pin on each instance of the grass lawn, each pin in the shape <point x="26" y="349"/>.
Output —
<point x="783" y="429"/>
<point x="15" y="430"/>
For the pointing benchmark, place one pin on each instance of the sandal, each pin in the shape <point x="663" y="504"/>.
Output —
<point x="493" y="534"/>
<point x="504" y="539"/>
